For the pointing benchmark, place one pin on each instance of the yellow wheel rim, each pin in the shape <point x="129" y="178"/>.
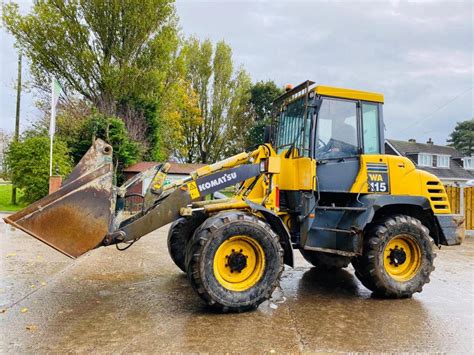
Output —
<point x="239" y="263"/>
<point x="402" y="257"/>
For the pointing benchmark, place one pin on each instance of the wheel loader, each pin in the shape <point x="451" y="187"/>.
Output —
<point x="320" y="183"/>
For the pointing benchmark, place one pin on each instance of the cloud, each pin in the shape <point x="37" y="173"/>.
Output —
<point x="417" y="53"/>
<point x="8" y="79"/>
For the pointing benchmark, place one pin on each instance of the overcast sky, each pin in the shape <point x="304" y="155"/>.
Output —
<point x="418" y="54"/>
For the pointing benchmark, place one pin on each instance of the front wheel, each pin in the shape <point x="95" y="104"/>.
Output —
<point x="234" y="261"/>
<point x="397" y="258"/>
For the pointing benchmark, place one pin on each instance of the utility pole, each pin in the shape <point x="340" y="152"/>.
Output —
<point x="17" y="117"/>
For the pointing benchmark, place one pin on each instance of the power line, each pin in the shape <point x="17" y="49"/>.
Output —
<point x="435" y="111"/>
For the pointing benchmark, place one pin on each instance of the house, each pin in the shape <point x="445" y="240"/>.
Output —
<point x="449" y="165"/>
<point x="177" y="171"/>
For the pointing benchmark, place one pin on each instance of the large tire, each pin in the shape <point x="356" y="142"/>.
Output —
<point x="397" y="258"/>
<point x="179" y="234"/>
<point x="325" y="261"/>
<point x="234" y="261"/>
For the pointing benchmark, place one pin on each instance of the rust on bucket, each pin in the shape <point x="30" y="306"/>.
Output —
<point x="75" y="218"/>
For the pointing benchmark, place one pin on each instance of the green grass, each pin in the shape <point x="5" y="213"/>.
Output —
<point x="6" y="197"/>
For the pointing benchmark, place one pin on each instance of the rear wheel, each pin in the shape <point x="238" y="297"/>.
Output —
<point x="234" y="261"/>
<point x="325" y="261"/>
<point x="398" y="257"/>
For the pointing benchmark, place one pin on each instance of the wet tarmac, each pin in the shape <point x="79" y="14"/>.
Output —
<point x="138" y="301"/>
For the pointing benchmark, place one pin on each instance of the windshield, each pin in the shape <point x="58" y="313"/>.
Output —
<point x="293" y="129"/>
<point x="336" y="132"/>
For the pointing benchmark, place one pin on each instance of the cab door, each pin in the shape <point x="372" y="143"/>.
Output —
<point x="337" y="145"/>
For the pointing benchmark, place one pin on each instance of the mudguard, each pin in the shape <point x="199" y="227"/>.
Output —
<point x="341" y="231"/>
<point x="279" y="228"/>
<point x="372" y="203"/>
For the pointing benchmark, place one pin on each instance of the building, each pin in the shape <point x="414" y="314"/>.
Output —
<point x="177" y="171"/>
<point x="449" y="165"/>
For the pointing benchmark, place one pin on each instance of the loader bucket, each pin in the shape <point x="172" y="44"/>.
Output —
<point x="76" y="218"/>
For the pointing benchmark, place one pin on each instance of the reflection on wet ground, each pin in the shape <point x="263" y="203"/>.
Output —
<point x="108" y="301"/>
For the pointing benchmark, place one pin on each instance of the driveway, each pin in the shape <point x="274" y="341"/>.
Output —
<point x="138" y="301"/>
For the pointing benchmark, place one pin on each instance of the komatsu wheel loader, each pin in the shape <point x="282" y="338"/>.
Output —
<point x="320" y="184"/>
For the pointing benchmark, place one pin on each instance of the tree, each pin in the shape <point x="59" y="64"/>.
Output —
<point x="240" y="119"/>
<point x="262" y="96"/>
<point x="28" y="161"/>
<point x="117" y="55"/>
<point x="183" y="118"/>
<point x="113" y="131"/>
<point x="220" y="96"/>
<point x="462" y="138"/>
<point x="70" y="118"/>
<point x="78" y="125"/>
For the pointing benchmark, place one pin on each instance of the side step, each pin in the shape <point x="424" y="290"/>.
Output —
<point x="336" y="208"/>
<point x="350" y="231"/>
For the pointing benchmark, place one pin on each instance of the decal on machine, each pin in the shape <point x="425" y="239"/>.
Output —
<point x="219" y="180"/>
<point x="377" y="177"/>
<point x="193" y="190"/>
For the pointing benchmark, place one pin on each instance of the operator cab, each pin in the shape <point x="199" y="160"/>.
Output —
<point x="333" y="126"/>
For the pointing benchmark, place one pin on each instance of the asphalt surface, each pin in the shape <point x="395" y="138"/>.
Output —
<point x="138" y="301"/>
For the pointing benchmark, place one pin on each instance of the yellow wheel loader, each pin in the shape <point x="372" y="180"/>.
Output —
<point x="321" y="184"/>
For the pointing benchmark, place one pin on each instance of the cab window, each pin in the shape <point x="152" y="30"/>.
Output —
<point x="294" y="128"/>
<point x="336" y="130"/>
<point x="370" y="128"/>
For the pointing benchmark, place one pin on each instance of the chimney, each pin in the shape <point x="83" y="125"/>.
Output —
<point x="430" y="141"/>
<point x="412" y="140"/>
<point x="55" y="183"/>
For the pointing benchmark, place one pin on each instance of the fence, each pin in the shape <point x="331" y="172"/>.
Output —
<point x="469" y="207"/>
<point x="456" y="200"/>
<point x="454" y="196"/>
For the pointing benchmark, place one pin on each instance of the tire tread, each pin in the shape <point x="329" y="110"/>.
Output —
<point x="195" y="247"/>
<point x="376" y="235"/>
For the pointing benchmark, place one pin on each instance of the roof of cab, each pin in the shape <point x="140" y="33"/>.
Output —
<point x="348" y="93"/>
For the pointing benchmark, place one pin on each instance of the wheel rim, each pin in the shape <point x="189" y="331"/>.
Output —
<point x="402" y="257"/>
<point x="239" y="263"/>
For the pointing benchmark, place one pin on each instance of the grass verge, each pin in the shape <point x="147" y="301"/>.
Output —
<point x="6" y="197"/>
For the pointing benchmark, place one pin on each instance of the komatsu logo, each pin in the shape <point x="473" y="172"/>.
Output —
<point x="218" y="181"/>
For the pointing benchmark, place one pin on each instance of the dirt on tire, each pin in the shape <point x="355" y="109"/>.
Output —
<point x="203" y="246"/>
<point x="370" y="268"/>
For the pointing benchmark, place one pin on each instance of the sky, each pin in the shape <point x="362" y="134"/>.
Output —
<point x="419" y="54"/>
